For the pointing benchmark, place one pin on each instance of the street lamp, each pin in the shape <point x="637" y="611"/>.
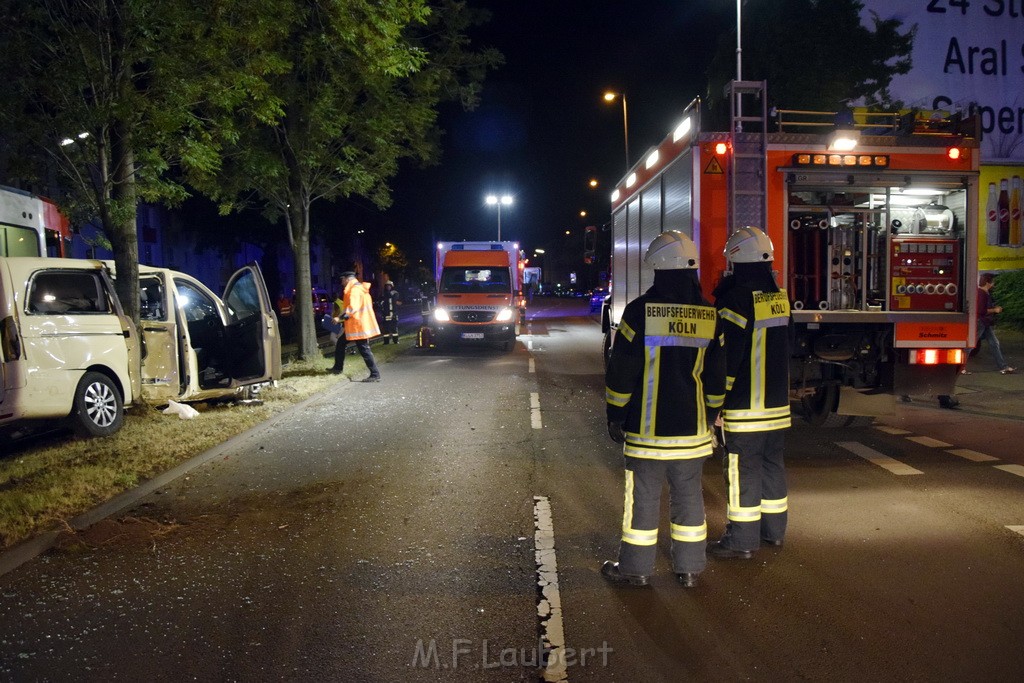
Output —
<point x="610" y="97"/>
<point x="495" y="200"/>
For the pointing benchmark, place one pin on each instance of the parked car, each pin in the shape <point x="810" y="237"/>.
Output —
<point x="69" y="352"/>
<point x="321" y="302"/>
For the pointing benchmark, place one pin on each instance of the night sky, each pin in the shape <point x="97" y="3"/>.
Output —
<point x="542" y="129"/>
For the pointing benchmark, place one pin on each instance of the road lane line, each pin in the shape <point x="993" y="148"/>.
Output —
<point x="549" y="605"/>
<point x="929" y="442"/>
<point x="876" y="458"/>
<point x="533" y="367"/>
<point x="1012" y="469"/>
<point x="529" y="344"/>
<point x="974" y="456"/>
<point x="535" y="420"/>
<point x="1017" y="528"/>
<point x="892" y="430"/>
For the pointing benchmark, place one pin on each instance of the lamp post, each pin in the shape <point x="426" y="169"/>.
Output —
<point x="610" y="97"/>
<point x="495" y="200"/>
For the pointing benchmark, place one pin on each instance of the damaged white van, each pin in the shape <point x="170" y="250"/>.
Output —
<point x="69" y="352"/>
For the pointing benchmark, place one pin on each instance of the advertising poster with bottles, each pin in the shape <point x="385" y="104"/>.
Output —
<point x="1001" y="238"/>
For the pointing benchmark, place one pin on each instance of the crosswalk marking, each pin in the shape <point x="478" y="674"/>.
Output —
<point x="974" y="456"/>
<point x="1012" y="469"/>
<point x="929" y="441"/>
<point x="892" y="430"/>
<point x="880" y="459"/>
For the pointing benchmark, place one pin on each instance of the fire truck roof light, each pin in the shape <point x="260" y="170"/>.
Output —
<point x="652" y="159"/>
<point x="843" y="140"/>
<point x="682" y="129"/>
<point x="631" y="180"/>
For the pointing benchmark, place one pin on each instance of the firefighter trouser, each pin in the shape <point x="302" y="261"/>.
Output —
<point x="642" y="512"/>
<point x="389" y="328"/>
<point x="756" y="476"/>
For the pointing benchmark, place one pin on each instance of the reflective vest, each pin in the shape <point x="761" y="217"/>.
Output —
<point x="361" y="323"/>
<point x="756" y="326"/>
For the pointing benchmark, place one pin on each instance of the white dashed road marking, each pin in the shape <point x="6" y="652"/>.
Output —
<point x="892" y="430"/>
<point x="535" y="420"/>
<point x="532" y="366"/>
<point x="876" y="458"/>
<point x="973" y="456"/>
<point x="1012" y="469"/>
<point x="549" y="607"/>
<point x="929" y="441"/>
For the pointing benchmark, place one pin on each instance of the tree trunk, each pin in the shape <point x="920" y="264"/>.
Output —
<point x="298" y="216"/>
<point x="122" y="229"/>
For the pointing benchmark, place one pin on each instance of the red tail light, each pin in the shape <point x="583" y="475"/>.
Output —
<point x="936" y="356"/>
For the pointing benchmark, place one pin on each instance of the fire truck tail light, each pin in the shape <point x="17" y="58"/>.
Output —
<point x="936" y="356"/>
<point x="721" y="148"/>
<point x="953" y="153"/>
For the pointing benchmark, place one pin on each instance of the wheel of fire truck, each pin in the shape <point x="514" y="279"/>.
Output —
<point x="819" y="409"/>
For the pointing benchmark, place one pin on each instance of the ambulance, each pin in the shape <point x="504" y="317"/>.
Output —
<point x="479" y="293"/>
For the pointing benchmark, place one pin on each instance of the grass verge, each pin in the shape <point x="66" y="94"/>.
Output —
<point x="44" y="484"/>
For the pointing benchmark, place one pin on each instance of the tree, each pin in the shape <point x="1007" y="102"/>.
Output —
<point x="112" y="94"/>
<point x="814" y="54"/>
<point x="362" y="91"/>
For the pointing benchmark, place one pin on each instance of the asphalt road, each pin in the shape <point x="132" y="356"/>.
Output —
<point x="387" y="532"/>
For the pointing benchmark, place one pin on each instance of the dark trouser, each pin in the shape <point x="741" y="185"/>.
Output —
<point x="756" y="475"/>
<point x="642" y="512"/>
<point x="389" y="329"/>
<point x="364" y="350"/>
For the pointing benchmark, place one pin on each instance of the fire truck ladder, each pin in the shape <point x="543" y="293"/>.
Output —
<point x="748" y="192"/>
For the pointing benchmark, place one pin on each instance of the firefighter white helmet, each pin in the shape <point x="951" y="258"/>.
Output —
<point x="749" y="245"/>
<point x="672" y="250"/>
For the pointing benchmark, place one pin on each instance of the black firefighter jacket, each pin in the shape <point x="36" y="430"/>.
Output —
<point x="757" y="331"/>
<point x="666" y="379"/>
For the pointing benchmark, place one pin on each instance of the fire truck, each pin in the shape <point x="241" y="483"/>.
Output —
<point x="874" y="218"/>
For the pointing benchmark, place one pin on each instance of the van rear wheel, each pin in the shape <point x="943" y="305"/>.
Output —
<point x="98" y="409"/>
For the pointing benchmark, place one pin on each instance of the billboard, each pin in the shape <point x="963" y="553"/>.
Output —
<point x="1001" y="233"/>
<point x="965" y="52"/>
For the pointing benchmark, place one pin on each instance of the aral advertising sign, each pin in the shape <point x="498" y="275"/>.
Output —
<point x="966" y="51"/>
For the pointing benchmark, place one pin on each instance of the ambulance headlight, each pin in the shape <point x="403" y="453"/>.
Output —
<point x="441" y="315"/>
<point x="504" y="315"/>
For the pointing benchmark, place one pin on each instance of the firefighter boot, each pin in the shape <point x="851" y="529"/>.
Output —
<point x="610" y="571"/>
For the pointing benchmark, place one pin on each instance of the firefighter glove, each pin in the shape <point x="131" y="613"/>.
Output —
<point x="615" y="432"/>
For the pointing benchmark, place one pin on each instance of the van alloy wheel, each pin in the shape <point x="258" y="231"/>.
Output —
<point x="97" y="409"/>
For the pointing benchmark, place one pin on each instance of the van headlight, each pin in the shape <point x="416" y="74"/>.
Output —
<point x="441" y="315"/>
<point x="504" y="315"/>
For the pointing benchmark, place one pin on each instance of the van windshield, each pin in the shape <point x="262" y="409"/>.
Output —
<point x="463" y="280"/>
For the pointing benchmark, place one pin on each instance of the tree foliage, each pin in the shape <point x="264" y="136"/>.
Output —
<point x="814" y="54"/>
<point x="361" y="93"/>
<point x="105" y="97"/>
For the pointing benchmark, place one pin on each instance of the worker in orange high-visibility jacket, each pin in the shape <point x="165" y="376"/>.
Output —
<point x="664" y="386"/>
<point x="756" y="322"/>
<point x="360" y="324"/>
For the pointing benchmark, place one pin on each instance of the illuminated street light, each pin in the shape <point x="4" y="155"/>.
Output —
<point x="593" y="182"/>
<point x="583" y="214"/>
<point x="495" y="200"/>
<point x="610" y="97"/>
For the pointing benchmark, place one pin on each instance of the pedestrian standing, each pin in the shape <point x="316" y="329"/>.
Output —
<point x="756" y="323"/>
<point x="987" y="310"/>
<point x="388" y="308"/>
<point x="360" y="324"/>
<point x="664" y="386"/>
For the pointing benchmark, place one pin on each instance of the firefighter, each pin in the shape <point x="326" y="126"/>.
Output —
<point x="388" y="307"/>
<point x="664" y="386"/>
<point x="756" y="323"/>
<point x="360" y="324"/>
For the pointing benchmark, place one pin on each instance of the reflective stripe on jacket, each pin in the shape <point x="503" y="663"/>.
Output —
<point x="361" y="323"/>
